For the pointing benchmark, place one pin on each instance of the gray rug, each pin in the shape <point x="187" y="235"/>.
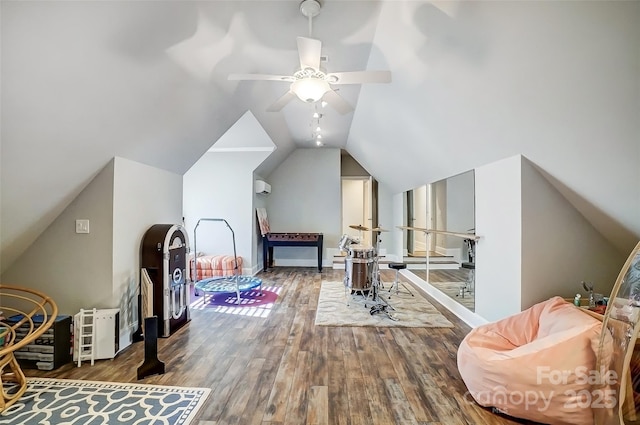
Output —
<point x="412" y="312"/>
<point x="63" y="401"/>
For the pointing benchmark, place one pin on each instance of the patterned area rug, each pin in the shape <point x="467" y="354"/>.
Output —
<point x="412" y="312"/>
<point x="63" y="401"/>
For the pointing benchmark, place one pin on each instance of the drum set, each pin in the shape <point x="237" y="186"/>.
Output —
<point x="362" y="271"/>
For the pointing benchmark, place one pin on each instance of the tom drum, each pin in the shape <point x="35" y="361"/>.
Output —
<point x="346" y="241"/>
<point x="362" y="252"/>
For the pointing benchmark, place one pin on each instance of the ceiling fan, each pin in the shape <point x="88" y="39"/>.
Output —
<point x="311" y="83"/>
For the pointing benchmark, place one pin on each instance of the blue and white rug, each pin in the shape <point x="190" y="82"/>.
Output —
<point x="63" y="401"/>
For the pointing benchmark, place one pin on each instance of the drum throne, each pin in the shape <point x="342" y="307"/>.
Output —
<point x="396" y="283"/>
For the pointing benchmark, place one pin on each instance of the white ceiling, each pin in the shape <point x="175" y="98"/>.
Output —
<point x="473" y="82"/>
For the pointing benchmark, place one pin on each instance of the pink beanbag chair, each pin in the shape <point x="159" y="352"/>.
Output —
<point x="538" y="364"/>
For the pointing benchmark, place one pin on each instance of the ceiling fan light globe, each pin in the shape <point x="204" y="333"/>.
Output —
<point x="310" y="89"/>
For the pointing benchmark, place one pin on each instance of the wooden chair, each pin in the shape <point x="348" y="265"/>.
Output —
<point x="29" y="311"/>
<point x="622" y="320"/>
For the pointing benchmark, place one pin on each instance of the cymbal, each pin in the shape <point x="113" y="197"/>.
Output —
<point x="379" y="229"/>
<point x="359" y="227"/>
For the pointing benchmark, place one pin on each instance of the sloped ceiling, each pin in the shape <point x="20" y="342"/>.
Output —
<point x="86" y="81"/>
<point x="245" y="135"/>
<point x="473" y="82"/>
<point x="558" y="82"/>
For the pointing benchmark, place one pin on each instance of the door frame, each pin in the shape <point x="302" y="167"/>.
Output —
<point x="369" y="206"/>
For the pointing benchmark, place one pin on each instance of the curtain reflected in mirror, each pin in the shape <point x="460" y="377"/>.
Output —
<point x="447" y="206"/>
<point x="416" y="216"/>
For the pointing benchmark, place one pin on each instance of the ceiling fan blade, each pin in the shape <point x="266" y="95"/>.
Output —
<point x="265" y="77"/>
<point x="309" y="52"/>
<point x="359" y="77"/>
<point x="281" y="103"/>
<point x="337" y="102"/>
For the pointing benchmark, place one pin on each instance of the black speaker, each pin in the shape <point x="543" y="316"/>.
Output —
<point x="151" y="364"/>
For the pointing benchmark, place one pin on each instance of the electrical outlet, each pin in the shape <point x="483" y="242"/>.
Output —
<point x="82" y="226"/>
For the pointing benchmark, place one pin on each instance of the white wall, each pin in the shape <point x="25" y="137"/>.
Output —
<point x="221" y="185"/>
<point x="533" y="244"/>
<point x="556" y="81"/>
<point x="101" y="269"/>
<point x="560" y="248"/>
<point x="259" y="201"/>
<point x="142" y="196"/>
<point x="306" y="198"/>
<point x="74" y="269"/>
<point x="247" y="138"/>
<point x="498" y="252"/>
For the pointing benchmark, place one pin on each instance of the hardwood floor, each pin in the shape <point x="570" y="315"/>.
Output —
<point x="283" y="369"/>
<point x="443" y="275"/>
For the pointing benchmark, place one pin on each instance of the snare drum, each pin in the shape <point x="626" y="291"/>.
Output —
<point x="362" y="252"/>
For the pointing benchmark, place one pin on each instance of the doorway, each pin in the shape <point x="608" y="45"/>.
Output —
<point x="416" y="217"/>
<point x="359" y="207"/>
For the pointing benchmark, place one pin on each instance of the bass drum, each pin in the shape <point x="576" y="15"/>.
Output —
<point x="358" y="274"/>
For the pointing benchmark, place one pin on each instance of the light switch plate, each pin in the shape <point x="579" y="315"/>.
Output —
<point x="82" y="226"/>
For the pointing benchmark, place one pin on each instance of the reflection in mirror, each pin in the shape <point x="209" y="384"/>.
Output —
<point x="447" y="206"/>
<point x="416" y="216"/>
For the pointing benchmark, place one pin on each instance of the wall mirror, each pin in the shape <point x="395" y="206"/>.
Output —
<point x="416" y="216"/>
<point x="447" y="205"/>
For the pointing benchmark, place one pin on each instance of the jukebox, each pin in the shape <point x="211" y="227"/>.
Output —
<point x="164" y="256"/>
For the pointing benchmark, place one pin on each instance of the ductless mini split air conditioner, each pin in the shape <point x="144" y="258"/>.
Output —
<point x="263" y="187"/>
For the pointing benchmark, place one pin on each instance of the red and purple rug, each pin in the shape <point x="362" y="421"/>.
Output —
<point x="252" y="303"/>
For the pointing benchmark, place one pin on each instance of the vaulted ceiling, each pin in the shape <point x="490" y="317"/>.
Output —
<point x="472" y="83"/>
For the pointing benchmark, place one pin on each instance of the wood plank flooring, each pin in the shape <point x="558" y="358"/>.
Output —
<point x="284" y="370"/>
<point x="443" y="275"/>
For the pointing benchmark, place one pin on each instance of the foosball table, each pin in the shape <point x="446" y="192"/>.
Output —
<point x="269" y="240"/>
